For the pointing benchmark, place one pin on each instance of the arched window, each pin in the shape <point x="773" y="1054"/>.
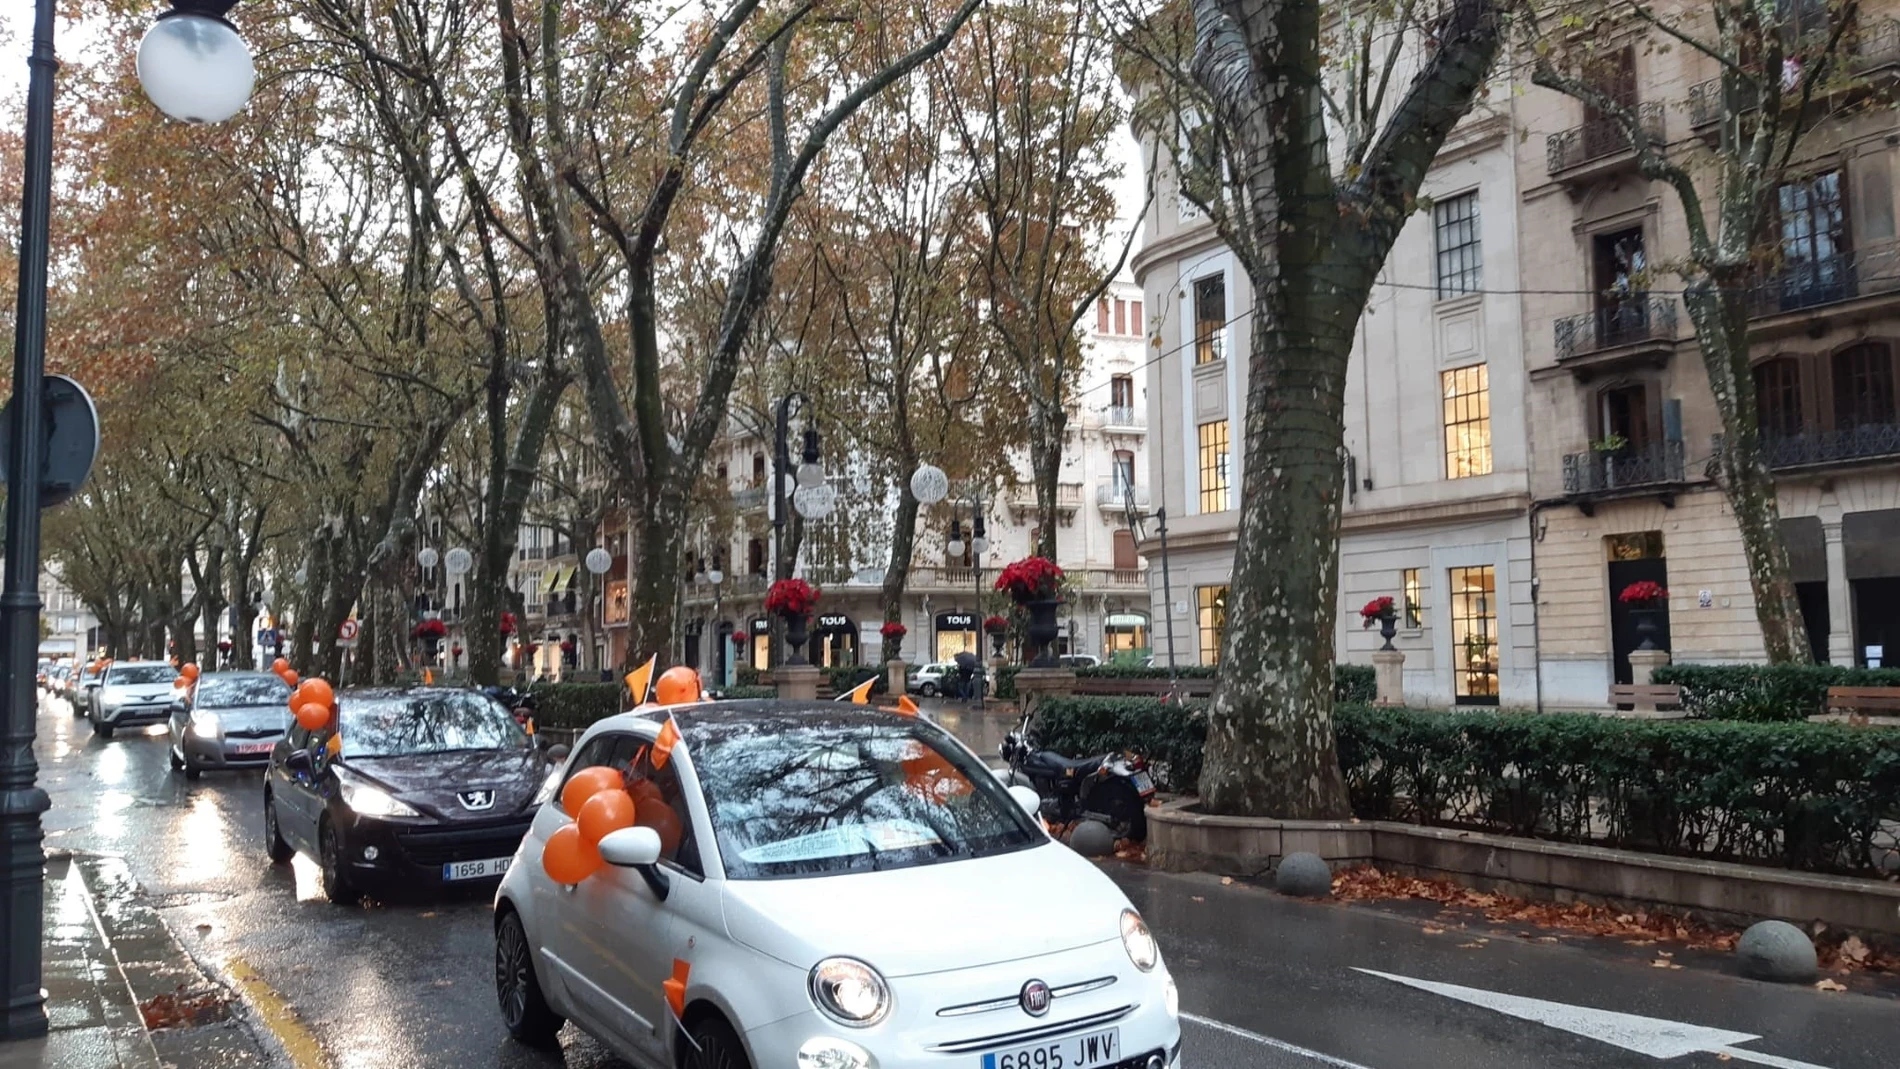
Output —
<point x="755" y="556"/>
<point x="758" y="469"/>
<point x="1863" y="385"/>
<point x="1778" y="396"/>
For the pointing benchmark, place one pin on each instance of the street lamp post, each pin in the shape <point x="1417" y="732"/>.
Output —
<point x="979" y="545"/>
<point x="196" y="67"/>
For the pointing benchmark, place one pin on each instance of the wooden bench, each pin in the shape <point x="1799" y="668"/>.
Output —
<point x="1646" y="700"/>
<point x="1854" y="704"/>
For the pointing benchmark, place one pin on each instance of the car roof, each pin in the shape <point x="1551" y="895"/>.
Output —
<point x="243" y="674"/>
<point x="696" y="718"/>
<point x="413" y="691"/>
<point x="139" y="664"/>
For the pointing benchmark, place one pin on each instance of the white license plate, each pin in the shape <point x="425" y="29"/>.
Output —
<point x="475" y="870"/>
<point x="1071" y="1052"/>
<point x="254" y="747"/>
<point x="1143" y="783"/>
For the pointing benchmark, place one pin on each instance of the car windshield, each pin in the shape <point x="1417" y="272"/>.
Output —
<point x="231" y="692"/>
<point x="437" y="722"/>
<point x="139" y="674"/>
<point x="803" y="798"/>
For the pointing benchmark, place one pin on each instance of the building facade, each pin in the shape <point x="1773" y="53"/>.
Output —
<point x="1437" y="503"/>
<point x="1623" y="422"/>
<point x="1103" y="475"/>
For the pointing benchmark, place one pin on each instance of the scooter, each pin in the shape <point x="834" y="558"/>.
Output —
<point x="1111" y="788"/>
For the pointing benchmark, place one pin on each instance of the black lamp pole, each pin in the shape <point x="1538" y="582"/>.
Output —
<point x="781" y="464"/>
<point x="21" y="798"/>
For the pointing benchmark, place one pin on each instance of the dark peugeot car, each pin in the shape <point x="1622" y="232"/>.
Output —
<point x="412" y="789"/>
<point x="229" y="720"/>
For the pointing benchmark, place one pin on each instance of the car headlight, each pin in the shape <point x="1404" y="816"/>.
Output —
<point x="1136" y="940"/>
<point x="371" y="801"/>
<point x="546" y="792"/>
<point x="1172" y="996"/>
<point x="850" y="992"/>
<point x="204" y="724"/>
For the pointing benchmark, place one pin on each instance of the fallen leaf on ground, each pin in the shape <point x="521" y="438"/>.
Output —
<point x="1197" y="898"/>
<point x="1854" y="950"/>
<point x="170" y="1011"/>
<point x="203" y="928"/>
<point x="1829" y="985"/>
<point x="1225" y="880"/>
<point x="1469" y="946"/>
<point x="1429" y="930"/>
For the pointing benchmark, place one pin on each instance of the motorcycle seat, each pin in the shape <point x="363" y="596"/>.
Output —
<point x="1055" y="762"/>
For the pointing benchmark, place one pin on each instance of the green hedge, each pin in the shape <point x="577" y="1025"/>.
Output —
<point x="1006" y="680"/>
<point x="1351" y="682"/>
<point x="743" y="693"/>
<point x="744" y="675"/>
<point x="843" y="679"/>
<point x="1766" y="691"/>
<point x="1136" y="671"/>
<point x="1355" y="684"/>
<point x="576" y="705"/>
<point x="1808" y="796"/>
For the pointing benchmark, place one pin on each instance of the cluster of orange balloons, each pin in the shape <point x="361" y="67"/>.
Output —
<point x="602" y="801"/>
<point x="187" y="675"/>
<point x="314" y="702"/>
<point x="285" y="672"/>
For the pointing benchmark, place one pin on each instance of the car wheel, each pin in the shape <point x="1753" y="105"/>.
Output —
<point x="192" y="771"/>
<point x="104" y="731"/>
<point x="715" y="1046"/>
<point x="275" y="847"/>
<point x="178" y="763"/>
<point x="335" y="883"/>
<point x="523" y="1009"/>
<point x="1119" y="802"/>
<point x="928" y="690"/>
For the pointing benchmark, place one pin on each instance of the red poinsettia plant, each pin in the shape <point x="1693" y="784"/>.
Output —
<point x="1031" y="579"/>
<point x="1644" y="592"/>
<point x="1376" y="610"/>
<point x="507" y="623"/>
<point x="567" y="645"/>
<point x="995" y="625"/>
<point x="428" y="629"/>
<point x="791" y="597"/>
<point x="893" y="630"/>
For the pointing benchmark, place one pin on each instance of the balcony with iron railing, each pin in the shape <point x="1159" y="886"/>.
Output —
<point x="1818" y="448"/>
<point x="1600" y="473"/>
<point x="1123" y="418"/>
<point x="1115" y="494"/>
<point x="1599" y="147"/>
<point x="751" y="497"/>
<point x="1871" y="50"/>
<point x="1641" y="330"/>
<point x="1799" y="285"/>
<point x="1068" y="497"/>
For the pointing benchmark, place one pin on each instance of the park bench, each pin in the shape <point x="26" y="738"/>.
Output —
<point x="1854" y="705"/>
<point x="1647" y="700"/>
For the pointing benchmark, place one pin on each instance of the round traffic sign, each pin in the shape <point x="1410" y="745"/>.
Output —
<point x="348" y="631"/>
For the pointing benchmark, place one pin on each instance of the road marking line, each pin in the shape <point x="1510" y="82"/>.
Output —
<point x="1269" y="1041"/>
<point x="298" y="1041"/>
<point x="1759" y="1058"/>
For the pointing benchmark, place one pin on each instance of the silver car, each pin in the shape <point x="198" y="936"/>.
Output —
<point x="131" y="693"/>
<point x="229" y="720"/>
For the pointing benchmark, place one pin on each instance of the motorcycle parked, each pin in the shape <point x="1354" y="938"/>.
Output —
<point x="1111" y="788"/>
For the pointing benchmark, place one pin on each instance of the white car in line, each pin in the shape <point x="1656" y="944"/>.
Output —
<point x="825" y="887"/>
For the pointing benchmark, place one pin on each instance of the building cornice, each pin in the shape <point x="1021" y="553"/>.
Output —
<point x="1196" y="238"/>
<point x="1490" y="506"/>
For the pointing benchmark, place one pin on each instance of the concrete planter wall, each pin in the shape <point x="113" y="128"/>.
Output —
<point x="1182" y="840"/>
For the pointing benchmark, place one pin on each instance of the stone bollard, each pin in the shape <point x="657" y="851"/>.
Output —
<point x="1389" y="667"/>
<point x="1643" y="665"/>
<point x="1777" y="950"/>
<point x="896" y="672"/>
<point x="798" y="682"/>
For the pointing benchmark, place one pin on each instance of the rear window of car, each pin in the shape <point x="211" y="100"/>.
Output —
<point x="231" y="692"/>
<point x="139" y="674"/>
<point x="802" y="798"/>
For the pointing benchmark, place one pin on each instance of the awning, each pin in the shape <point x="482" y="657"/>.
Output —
<point x="567" y="584"/>
<point x="1127" y="619"/>
<point x="550" y="580"/>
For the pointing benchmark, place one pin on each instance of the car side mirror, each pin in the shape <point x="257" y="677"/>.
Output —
<point x="557" y="752"/>
<point x="637" y="848"/>
<point x="297" y="761"/>
<point x="1027" y="798"/>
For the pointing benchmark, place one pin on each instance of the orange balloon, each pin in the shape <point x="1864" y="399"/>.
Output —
<point x="568" y="858"/>
<point x="181" y="682"/>
<point x="319" y="691"/>
<point x="290" y="677"/>
<point x="665" y="823"/>
<point x="313" y="717"/>
<point x="280" y="666"/>
<point x="677" y="685"/>
<point x="297" y="700"/>
<point x="644" y="791"/>
<point x="588" y="782"/>
<point x="189" y="671"/>
<point x="607" y="811"/>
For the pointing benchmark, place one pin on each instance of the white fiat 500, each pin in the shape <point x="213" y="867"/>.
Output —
<point x="821" y="886"/>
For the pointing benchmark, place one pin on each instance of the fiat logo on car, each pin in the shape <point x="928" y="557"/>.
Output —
<point x="1035" y="998"/>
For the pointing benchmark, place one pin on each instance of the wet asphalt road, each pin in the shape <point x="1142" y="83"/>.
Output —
<point x="1266" y="983"/>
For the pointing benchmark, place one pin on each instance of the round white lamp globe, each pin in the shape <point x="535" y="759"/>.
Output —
<point x="815" y="502"/>
<point x="929" y="484"/>
<point x="715" y="577"/>
<point x="427" y="557"/>
<point x="599" y="560"/>
<point x="196" y="68"/>
<point x="459" y="561"/>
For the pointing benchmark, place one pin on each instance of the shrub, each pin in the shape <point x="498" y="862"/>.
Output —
<point x="1006" y="680"/>
<point x="1808" y="796"/>
<point x="744" y="693"/>
<point x="1766" y="691"/>
<point x="1113" y="670"/>
<point x="576" y="705"/>
<point x="1355" y="684"/>
<point x="745" y="675"/>
<point x="843" y="679"/>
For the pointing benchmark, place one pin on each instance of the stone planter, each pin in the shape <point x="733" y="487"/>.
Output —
<point x="1042" y="632"/>
<point x="1648" y="625"/>
<point x="1388" y="628"/>
<point x="997" y="638"/>
<point x="796" y="634"/>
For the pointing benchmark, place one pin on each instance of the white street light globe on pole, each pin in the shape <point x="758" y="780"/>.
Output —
<point x="599" y="560"/>
<point x="194" y="65"/>
<point x="815" y="502"/>
<point x="929" y="485"/>
<point x="459" y="561"/>
<point x="715" y="577"/>
<point x="427" y="557"/>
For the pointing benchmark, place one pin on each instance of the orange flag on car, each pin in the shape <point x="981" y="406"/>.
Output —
<point x="669" y="737"/>
<point x="640" y="680"/>
<point x="860" y="694"/>
<point x="906" y="707"/>
<point x="676" y="986"/>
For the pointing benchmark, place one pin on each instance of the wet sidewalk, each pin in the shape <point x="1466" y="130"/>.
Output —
<point x="120" y="990"/>
<point x="982" y="730"/>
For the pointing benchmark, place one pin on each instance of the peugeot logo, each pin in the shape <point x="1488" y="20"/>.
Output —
<point x="477" y="799"/>
<point x="1035" y="998"/>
